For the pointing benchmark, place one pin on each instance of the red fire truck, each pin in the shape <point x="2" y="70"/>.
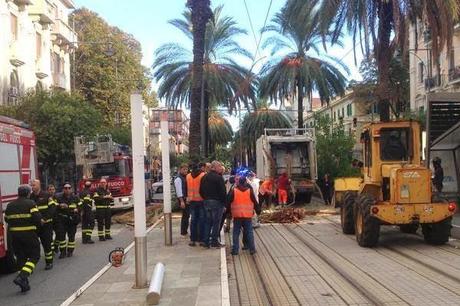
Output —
<point x="18" y="165"/>
<point x="100" y="158"/>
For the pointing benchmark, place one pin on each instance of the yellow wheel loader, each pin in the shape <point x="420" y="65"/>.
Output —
<point x="394" y="188"/>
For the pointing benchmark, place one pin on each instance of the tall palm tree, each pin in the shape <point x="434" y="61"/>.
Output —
<point x="200" y="15"/>
<point x="297" y="70"/>
<point x="225" y="82"/>
<point x="381" y="26"/>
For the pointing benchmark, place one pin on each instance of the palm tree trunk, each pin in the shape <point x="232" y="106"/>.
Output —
<point x="201" y="13"/>
<point x="206" y="121"/>
<point x="299" y="106"/>
<point x="383" y="56"/>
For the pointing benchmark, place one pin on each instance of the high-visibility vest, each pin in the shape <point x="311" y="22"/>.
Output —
<point x="242" y="206"/>
<point x="193" y="187"/>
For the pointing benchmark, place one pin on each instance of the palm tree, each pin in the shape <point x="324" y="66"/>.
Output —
<point x="200" y="15"/>
<point x="381" y="26"/>
<point x="226" y="83"/>
<point x="253" y="126"/>
<point x="297" y="70"/>
<point x="220" y="131"/>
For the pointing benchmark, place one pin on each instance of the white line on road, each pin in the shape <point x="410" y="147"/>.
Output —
<point x="91" y="281"/>
<point x="457" y="226"/>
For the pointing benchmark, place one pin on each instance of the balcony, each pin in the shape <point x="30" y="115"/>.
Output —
<point x="16" y="57"/>
<point x="44" y="10"/>
<point x="62" y="33"/>
<point x="454" y="74"/>
<point x="22" y="2"/>
<point x="59" y="80"/>
<point x="69" y="4"/>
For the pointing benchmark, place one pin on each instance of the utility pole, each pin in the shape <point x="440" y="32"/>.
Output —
<point x="140" y="239"/>
<point x="166" y="177"/>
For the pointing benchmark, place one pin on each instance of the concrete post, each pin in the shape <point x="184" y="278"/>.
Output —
<point x="140" y="240"/>
<point x="166" y="177"/>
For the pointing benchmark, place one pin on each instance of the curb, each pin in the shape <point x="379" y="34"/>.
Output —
<point x="224" y="274"/>
<point x="101" y="272"/>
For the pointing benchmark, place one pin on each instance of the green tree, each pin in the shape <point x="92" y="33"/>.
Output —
<point x="334" y="148"/>
<point x="220" y="131"/>
<point x="56" y="118"/>
<point x="380" y="27"/>
<point x="226" y="83"/>
<point x="399" y="81"/>
<point x="107" y="67"/>
<point x="297" y="70"/>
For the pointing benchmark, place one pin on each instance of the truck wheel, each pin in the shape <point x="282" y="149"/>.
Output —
<point x="367" y="228"/>
<point x="308" y="197"/>
<point x="8" y="263"/>
<point x="346" y="213"/>
<point x="437" y="233"/>
<point x="409" y="228"/>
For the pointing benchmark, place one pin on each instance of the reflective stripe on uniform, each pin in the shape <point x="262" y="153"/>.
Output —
<point x="102" y="206"/>
<point x="19" y="216"/>
<point x="48" y="220"/>
<point x="30" y="264"/>
<point x="26" y="269"/>
<point x="42" y="207"/>
<point x="32" y="210"/>
<point x="73" y="206"/>
<point x="52" y="202"/>
<point x="23" y="228"/>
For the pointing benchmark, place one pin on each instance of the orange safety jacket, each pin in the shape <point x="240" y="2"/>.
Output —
<point x="242" y="206"/>
<point x="193" y="187"/>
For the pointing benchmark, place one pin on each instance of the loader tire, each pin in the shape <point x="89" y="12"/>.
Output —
<point x="347" y="213"/>
<point x="409" y="228"/>
<point x="367" y="228"/>
<point x="437" y="233"/>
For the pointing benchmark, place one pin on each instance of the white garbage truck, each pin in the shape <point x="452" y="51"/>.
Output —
<point x="293" y="151"/>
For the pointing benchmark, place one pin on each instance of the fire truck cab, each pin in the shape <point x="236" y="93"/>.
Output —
<point x="101" y="158"/>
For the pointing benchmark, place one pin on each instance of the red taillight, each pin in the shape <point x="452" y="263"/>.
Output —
<point x="452" y="207"/>
<point x="375" y="210"/>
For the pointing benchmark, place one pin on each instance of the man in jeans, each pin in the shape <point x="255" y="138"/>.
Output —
<point x="195" y="202"/>
<point x="213" y="191"/>
<point x="180" y="184"/>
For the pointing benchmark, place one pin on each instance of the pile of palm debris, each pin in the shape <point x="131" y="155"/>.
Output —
<point x="292" y="215"/>
<point x="152" y="212"/>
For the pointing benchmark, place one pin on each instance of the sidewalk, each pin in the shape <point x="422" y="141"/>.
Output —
<point x="192" y="275"/>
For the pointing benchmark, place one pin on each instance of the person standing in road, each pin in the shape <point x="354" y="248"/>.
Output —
<point x="266" y="192"/>
<point x="52" y="192"/>
<point x="283" y="183"/>
<point x="23" y="218"/>
<point x="255" y="184"/>
<point x="195" y="202"/>
<point x="68" y="217"/>
<point x="213" y="191"/>
<point x="180" y="184"/>
<point x="243" y="203"/>
<point x="47" y="207"/>
<point x="438" y="176"/>
<point x="327" y="189"/>
<point x="87" y="218"/>
<point x="103" y="200"/>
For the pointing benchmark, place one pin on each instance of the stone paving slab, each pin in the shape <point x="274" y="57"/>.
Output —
<point x="192" y="276"/>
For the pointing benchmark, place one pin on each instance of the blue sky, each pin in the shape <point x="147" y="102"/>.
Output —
<point x="147" y="20"/>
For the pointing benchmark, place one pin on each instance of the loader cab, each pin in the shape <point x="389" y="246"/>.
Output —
<point x="387" y="145"/>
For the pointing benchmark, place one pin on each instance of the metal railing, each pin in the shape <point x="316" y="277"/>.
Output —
<point x="309" y="132"/>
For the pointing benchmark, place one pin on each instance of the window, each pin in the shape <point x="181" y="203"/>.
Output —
<point x="55" y="63"/>
<point x="349" y="110"/>
<point x="14" y="26"/>
<point x="335" y="117"/>
<point x="420" y="72"/>
<point x="13" y="91"/>
<point x="38" y="46"/>
<point x="394" y="144"/>
<point x="343" y="112"/>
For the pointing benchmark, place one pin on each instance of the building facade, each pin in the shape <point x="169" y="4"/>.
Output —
<point x="429" y="74"/>
<point x="35" y="45"/>
<point x="178" y="123"/>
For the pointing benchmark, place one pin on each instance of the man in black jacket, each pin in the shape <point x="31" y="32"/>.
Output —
<point x="47" y="207"/>
<point x="68" y="217"/>
<point x="180" y="185"/>
<point x="103" y="200"/>
<point x="87" y="218"/>
<point x="213" y="191"/>
<point x="23" y="219"/>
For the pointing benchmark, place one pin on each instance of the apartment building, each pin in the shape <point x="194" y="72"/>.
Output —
<point x="36" y="42"/>
<point x="178" y="123"/>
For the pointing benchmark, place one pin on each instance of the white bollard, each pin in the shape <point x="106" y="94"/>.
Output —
<point x="166" y="178"/>
<point x="153" y="297"/>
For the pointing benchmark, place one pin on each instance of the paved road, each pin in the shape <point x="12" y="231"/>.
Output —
<point x="456" y="226"/>
<point x="55" y="286"/>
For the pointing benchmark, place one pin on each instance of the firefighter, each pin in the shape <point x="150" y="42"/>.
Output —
<point x="23" y="219"/>
<point x="67" y="219"/>
<point x="87" y="220"/>
<point x="47" y="207"/>
<point x="103" y="200"/>
<point x="52" y="192"/>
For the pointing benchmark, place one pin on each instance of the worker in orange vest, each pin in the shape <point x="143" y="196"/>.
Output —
<point x="195" y="201"/>
<point x="243" y="203"/>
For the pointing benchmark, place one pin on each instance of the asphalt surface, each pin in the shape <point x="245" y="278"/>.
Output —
<point x="55" y="286"/>
<point x="455" y="232"/>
